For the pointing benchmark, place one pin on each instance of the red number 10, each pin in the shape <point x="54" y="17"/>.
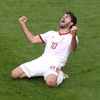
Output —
<point x="54" y="45"/>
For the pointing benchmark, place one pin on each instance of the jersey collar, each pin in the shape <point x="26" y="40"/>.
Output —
<point x="64" y="33"/>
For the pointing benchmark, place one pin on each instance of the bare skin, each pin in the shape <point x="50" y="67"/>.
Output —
<point x="51" y="80"/>
<point x="18" y="73"/>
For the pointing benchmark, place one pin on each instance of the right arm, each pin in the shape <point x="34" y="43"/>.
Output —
<point x="31" y="37"/>
<point x="74" y="41"/>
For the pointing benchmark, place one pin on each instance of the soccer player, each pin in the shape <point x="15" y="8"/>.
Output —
<point x="58" y="45"/>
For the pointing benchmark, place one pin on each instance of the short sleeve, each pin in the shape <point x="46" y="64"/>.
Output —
<point x="44" y="37"/>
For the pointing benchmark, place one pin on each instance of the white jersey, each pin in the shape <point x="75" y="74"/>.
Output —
<point x="57" y="45"/>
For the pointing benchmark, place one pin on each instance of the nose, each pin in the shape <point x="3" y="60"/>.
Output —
<point x="64" y="17"/>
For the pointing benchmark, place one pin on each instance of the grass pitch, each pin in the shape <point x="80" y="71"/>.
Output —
<point x="83" y="66"/>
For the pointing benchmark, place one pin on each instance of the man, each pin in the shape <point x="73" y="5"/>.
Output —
<point x="59" y="44"/>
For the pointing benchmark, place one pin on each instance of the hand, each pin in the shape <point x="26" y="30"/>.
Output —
<point x="23" y="19"/>
<point x="74" y="30"/>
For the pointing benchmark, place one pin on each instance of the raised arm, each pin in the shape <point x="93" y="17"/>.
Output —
<point x="31" y="37"/>
<point x="73" y="42"/>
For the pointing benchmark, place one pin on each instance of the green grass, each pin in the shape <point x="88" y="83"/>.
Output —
<point x="83" y="66"/>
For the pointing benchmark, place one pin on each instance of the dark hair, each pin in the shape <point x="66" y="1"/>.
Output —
<point x="73" y="18"/>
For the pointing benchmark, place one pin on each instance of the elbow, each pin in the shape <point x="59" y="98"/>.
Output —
<point x="73" y="50"/>
<point x="31" y="41"/>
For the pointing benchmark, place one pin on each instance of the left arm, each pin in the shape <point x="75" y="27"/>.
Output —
<point x="73" y="41"/>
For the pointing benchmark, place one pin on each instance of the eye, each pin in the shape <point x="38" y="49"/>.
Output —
<point x="67" y="15"/>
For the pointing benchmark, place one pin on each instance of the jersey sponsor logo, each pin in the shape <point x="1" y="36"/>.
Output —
<point x="52" y="37"/>
<point x="54" y="45"/>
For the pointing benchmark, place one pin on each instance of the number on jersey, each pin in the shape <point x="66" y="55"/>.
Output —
<point x="54" y="45"/>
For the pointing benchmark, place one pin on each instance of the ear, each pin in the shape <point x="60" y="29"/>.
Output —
<point x="71" y="23"/>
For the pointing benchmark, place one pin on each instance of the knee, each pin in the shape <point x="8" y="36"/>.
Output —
<point x="51" y="83"/>
<point x="13" y="75"/>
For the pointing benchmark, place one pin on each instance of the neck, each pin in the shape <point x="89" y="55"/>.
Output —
<point x="63" y="31"/>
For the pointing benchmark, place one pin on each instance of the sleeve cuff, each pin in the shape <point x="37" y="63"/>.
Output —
<point x="41" y="39"/>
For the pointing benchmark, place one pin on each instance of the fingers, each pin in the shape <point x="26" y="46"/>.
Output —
<point x="23" y="19"/>
<point x="74" y="28"/>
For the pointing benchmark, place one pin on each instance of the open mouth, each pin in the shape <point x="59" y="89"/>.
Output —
<point x="63" y="21"/>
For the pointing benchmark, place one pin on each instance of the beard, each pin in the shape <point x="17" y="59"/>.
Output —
<point x="63" y="26"/>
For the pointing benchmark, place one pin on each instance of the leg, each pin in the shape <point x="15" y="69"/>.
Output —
<point x="18" y="73"/>
<point x="51" y="80"/>
<point x="61" y="77"/>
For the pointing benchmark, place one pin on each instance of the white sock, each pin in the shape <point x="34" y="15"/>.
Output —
<point x="59" y="79"/>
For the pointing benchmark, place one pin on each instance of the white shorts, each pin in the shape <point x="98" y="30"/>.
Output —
<point x="41" y="66"/>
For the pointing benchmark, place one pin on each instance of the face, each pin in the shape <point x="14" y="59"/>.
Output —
<point x="65" y="21"/>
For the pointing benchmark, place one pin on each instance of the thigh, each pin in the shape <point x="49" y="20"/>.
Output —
<point x="52" y="67"/>
<point x="33" y="68"/>
<point x="18" y="73"/>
